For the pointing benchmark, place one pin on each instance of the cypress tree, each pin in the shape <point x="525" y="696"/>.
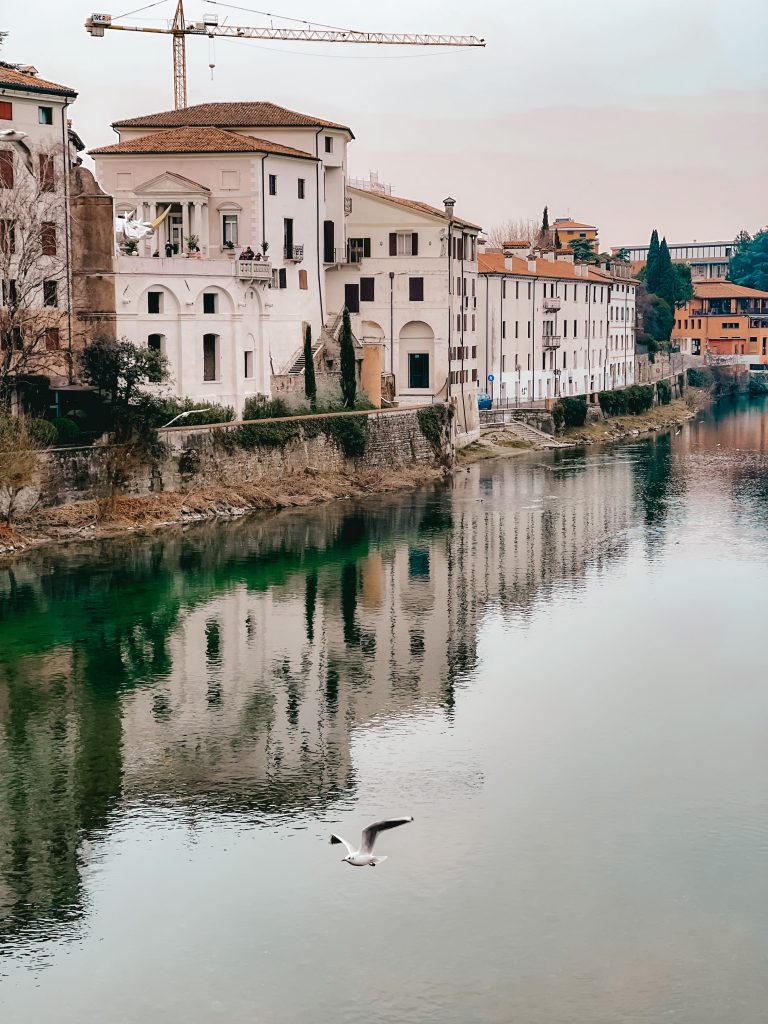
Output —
<point x="558" y="243"/>
<point x="545" y="220"/>
<point x="348" y="382"/>
<point x="310" y="385"/>
<point x="652" y="266"/>
<point x="667" y="284"/>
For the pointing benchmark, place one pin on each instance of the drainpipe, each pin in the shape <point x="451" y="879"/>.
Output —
<point x="501" y="335"/>
<point x="263" y="206"/>
<point x="67" y="230"/>
<point x="317" y="224"/>
<point x="392" y="322"/>
<point x="533" y="341"/>
<point x="450" y="300"/>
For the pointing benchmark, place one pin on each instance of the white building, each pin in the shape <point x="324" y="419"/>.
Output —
<point x="36" y="153"/>
<point x="549" y="328"/>
<point x="227" y="176"/>
<point x="410" y="282"/>
<point x="709" y="261"/>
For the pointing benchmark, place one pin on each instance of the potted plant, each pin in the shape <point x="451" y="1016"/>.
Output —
<point x="264" y="249"/>
<point x="229" y="247"/>
<point x="130" y="247"/>
<point x="193" y="246"/>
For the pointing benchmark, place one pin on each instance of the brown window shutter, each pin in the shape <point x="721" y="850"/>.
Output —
<point x="6" y="168"/>
<point x="392" y="243"/>
<point x="415" y="244"/>
<point x="366" y="248"/>
<point x="459" y="249"/>
<point x="303" y="283"/>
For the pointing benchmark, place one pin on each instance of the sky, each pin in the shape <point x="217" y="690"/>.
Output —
<point x="629" y="116"/>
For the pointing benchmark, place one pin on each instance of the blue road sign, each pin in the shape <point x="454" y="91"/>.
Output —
<point x="491" y="377"/>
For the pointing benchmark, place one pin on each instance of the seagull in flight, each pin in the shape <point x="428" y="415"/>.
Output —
<point x="364" y="858"/>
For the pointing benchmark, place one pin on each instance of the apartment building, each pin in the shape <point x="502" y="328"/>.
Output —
<point x="221" y="179"/>
<point x="551" y="328"/>
<point x="569" y="230"/>
<point x="724" y="320"/>
<point x="708" y="261"/>
<point x="410" y="282"/>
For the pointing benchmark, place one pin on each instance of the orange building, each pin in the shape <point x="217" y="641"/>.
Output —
<point x="571" y="230"/>
<point x="724" y="319"/>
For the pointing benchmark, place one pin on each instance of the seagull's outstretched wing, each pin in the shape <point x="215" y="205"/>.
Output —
<point x="370" y="833"/>
<point x="338" y="839"/>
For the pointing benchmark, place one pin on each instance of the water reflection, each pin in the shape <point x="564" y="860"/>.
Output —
<point x="226" y="668"/>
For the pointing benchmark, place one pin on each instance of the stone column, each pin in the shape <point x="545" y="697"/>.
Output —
<point x="185" y="232"/>
<point x="201" y="226"/>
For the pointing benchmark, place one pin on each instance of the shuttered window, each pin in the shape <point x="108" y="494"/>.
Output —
<point x="48" y="238"/>
<point x="47" y="173"/>
<point x="403" y="243"/>
<point x="416" y="289"/>
<point x="6" y="168"/>
<point x="367" y="289"/>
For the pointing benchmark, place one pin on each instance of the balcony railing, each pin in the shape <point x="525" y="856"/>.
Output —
<point x="552" y="304"/>
<point x="253" y="270"/>
<point x="334" y="255"/>
<point x="550" y="341"/>
<point x="294" y="253"/>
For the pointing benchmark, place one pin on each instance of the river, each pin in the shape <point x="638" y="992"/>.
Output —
<point x="556" y="664"/>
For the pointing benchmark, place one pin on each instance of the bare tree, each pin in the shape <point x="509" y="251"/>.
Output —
<point x="34" y="292"/>
<point x="512" y="230"/>
<point x="20" y="456"/>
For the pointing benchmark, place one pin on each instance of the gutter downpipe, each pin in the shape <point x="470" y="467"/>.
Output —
<point x="67" y="230"/>
<point x="317" y="224"/>
<point x="533" y="341"/>
<point x="392" y="322"/>
<point x="450" y="301"/>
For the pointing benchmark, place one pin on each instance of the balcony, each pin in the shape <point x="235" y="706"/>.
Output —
<point x="551" y="341"/>
<point x="552" y="304"/>
<point x="335" y="256"/>
<point x="295" y="253"/>
<point x="253" y="270"/>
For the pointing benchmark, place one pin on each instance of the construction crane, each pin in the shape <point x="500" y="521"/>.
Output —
<point x="209" y="26"/>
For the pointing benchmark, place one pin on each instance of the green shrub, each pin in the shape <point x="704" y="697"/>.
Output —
<point x="349" y="432"/>
<point x="558" y="415"/>
<point x="67" y="431"/>
<point x="699" y="377"/>
<point x="680" y="383"/>
<point x="433" y="422"/>
<point x="629" y="401"/>
<point x="259" y="407"/>
<point x="43" y="431"/>
<point x="574" y="410"/>
<point x="167" y="409"/>
<point x="664" y="391"/>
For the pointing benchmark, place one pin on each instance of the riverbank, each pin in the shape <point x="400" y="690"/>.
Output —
<point x="660" y="417"/>
<point x="91" y="520"/>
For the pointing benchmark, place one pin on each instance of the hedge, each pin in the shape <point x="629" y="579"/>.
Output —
<point x="629" y="401"/>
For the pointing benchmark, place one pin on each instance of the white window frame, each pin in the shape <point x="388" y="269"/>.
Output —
<point x="228" y="220"/>
<point x="404" y="243"/>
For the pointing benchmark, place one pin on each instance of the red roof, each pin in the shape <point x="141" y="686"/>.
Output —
<point x="11" y="78"/>
<point x="197" y="140"/>
<point x="726" y="290"/>
<point x="416" y="205"/>
<point x="258" y="114"/>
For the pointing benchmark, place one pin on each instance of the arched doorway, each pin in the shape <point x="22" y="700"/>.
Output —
<point x="416" y="362"/>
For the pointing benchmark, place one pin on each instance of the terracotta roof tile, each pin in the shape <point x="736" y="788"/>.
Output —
<point x="10" y="78"/>
<point x="726" y="290"/>
<point x="258" y="114"/>
<point x="414" y="204"/>
<point x="197" y="140"/>
<point x="567" y="224"/>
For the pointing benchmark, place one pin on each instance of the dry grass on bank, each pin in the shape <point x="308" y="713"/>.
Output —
<point x="657" y="418"/>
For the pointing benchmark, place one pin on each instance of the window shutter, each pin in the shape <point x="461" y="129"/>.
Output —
<point x="416" y="289"/>
<point x="392" y="243"/>
<point x="415" y="244"/>
<point x="6" y="168"/>
<point x="367" y="289"/>
<point x="367" y="247"/>
<point x="459" y="248"/>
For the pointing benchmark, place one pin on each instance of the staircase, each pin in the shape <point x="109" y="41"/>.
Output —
<point x="298" y="364"/>
<point x="519" y="429"/>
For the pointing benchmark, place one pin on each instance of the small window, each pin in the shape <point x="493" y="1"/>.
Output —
<point x="45" y="115"/>
<point x="47" y="173"/>
<point x="209" y="302"/>
<point x="303" y="280"/>
<point x="50" y="293"/>
<point x="248" y="364"/>
<point x="154" y="302"/>
<point x="416" y="289"/>
<point x="6" y="110"/>
<point x="210" y="357"/>
<point x="155" y="342"/>
<point x="48" y="238"/>
<point x="6" y="168"/>
<point x="367" y="289"/>
<point x="9" y="293"/>
<point x="52" y="340"/>
<point x="418" y="370"/>
<point x="229" y="233"/>
<point x="273" y="184"/>
<point x="328" y="144"/>
<point x="282" y="278"/>
<point x="302" y="188"/>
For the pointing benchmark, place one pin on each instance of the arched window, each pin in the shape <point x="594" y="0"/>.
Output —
<point x="210" y="357"/>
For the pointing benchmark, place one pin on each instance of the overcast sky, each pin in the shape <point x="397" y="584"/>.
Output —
<point x="624" y="115"/>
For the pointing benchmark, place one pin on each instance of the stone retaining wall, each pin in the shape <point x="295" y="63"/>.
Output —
<point x="194" y="459"/>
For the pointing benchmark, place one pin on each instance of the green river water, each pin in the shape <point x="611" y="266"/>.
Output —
<point x="556" y="664"/>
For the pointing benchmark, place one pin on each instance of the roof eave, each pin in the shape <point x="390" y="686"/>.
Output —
<point x="62" y="90"/>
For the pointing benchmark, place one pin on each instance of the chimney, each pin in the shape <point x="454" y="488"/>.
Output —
<point x="549" y="256"/>
<point x="449" y="205"/>
<point x="564" y="257"/>
<point x="532" y="266"/>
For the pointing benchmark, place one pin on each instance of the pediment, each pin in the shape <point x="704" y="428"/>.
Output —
<point x="171" y="184"/>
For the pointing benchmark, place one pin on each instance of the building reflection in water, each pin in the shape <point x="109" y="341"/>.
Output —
<point x="224" y="670"/>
